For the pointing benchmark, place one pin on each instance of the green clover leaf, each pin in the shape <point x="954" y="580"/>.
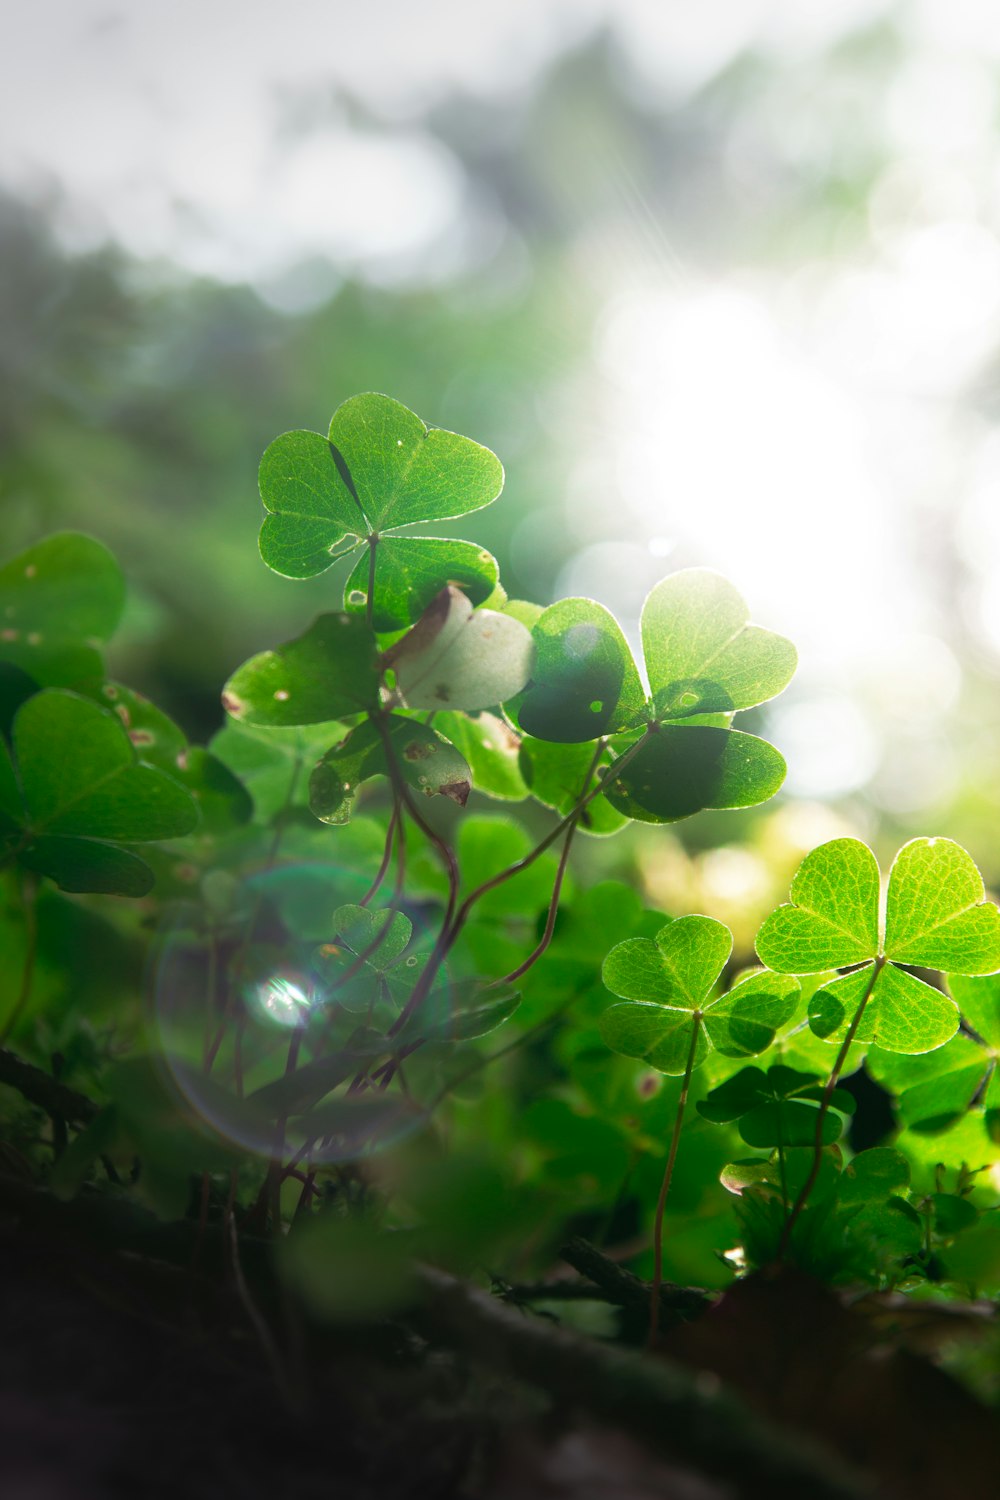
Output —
<point x="60" y="602"/>
<point x="379" y="469"/>
<point x="936" y="917"/>
<point x="669" y="1017"/>
<point x="777" y="1108"/>
<point x="76" y="789"/>
<point x="329" y="672"/>
<point x="703" y="661"/>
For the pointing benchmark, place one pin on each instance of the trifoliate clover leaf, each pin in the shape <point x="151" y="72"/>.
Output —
<point x="329" y="672"/>
<point x="379" y="469"/>
<point x="455" y="657"/>
<point x="776" y="1108"/>
<point x="703" y="661"/>
<point x="423" y="759"/>
<point x="60" y="602"/>
<point x="76" y="789"/>
<point x="936" y="917"/>
<point x="381" y="935"/>
<point x="670" y="1018"/>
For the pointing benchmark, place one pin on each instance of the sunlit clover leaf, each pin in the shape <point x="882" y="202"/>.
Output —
<point x="329" y="672"/>
<point x="681" y="769"/>
<point x="455" y="657"/>
<point x="403" y="471"/>
<point x="423" y="759"/>
<point x="380" y="467"/>
<point x="585" y="682"/>
<point x="702" y="655"/>
<point x="743" y="1022"/>
<point x="979" y="1001"/>
<point x="410" y="572"/>
<point x="832" y="918"/>
<point x="936" y="917"/>
<point x="78" y="791"/>
<point x="667" y="981"/>
<point x="60" y="602"/>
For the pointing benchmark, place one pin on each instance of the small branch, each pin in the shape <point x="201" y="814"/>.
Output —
<point x="550" y="920"/>
<point x="654" y="1301"/>
<point x="58" y="1101"/>
<point x="386" y="855"/>
<point x="624" y="1289"/>
<point x="672" y="1410"/>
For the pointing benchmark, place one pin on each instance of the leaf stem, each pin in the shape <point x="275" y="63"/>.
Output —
<point x="449" y="933"/>
<point x="370" y="601"/>
<point x="823" y="1111"/>
<point x="661" y="1203"/>
<point x="386" y="854"/>
<point x="550" y="920"/>
<point x="29" y="897"/>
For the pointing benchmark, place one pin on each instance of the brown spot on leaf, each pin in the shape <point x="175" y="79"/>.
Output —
<point x="232" y="704"/>
<point x="458" y="791"/>
<point x="417" y="750"/>
<point x="141" y="737"/>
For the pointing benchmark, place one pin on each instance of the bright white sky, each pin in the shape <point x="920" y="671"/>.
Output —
<point x="813" y="416"/>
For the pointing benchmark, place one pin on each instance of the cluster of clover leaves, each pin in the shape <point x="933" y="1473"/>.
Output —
<point x="426" y="677"/>
<point x="672" y="1016"/>
<point x="424" y="674"/>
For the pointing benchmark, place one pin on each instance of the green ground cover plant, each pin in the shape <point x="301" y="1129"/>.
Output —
<point x="365" y="1036"/>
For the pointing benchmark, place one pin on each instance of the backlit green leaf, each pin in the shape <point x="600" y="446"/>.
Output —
<point x="402" y="471"/>
<point x="678" y="968"/>
<point x="585" y="682"/>
<point x="358" y="928"/>
<point x="80" y="775"/>
<point x="273" y="761"/>
<point x="658" y="1034"/>
<point x="743" y="1022"/>
<point x="903" y="1014"/>
<point x="78" y="784"/>
<point x="937" y="915"/>
<point x="312" y="516"/>
<point x="701" y="654"/>
<point x="683" y="769"/>
<point x="832" y="919"/>
<point x="411" y="571"/>
<point x="979" y="1002"/>
<point x="327" y="673"/>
